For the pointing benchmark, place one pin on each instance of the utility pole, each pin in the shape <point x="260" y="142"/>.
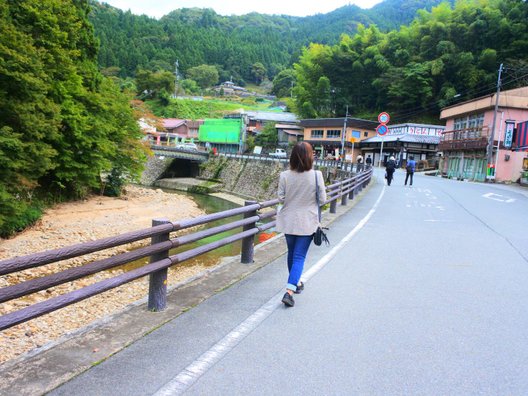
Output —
<point x="176" y="64"/>
<point x="492" y="135"/>
<point x="343" y="136"/>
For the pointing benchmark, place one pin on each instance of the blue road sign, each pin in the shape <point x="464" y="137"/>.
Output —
<point x="382" y="129"/>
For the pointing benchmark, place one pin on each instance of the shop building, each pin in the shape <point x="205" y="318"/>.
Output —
<point x="471" y="132"/>
<point x="402" y="141"/>
<point x="329" y="135"/>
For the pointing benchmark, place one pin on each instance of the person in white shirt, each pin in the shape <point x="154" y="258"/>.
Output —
<point x="298" y="218"/>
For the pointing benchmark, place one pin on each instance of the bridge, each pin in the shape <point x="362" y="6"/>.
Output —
<point x="422" y="291"/>
<point x="173" y="152"/>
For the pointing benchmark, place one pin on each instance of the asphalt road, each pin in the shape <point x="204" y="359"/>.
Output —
<point x="422" y="292"/>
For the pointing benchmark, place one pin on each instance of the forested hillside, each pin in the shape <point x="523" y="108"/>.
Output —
<point x="232" y="43"/>
<point x="443" y="56"/>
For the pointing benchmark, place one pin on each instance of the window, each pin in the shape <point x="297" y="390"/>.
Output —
<point x="471" y="126"/>
<point x="317" y="133"/>
<point x="333" y="133"/>
<point x="460" y="123"/>
<point x="365" y="134"/>
<point x="356" y="134"/>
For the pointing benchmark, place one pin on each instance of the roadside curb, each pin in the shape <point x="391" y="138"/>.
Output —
<point x="46" y="368"/>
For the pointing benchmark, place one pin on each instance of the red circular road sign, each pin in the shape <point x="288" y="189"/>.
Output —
<point x="383" y="118"/>
<point x="382" y="129"/>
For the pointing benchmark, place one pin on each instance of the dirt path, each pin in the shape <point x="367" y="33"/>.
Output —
<point x="71" y="223"/>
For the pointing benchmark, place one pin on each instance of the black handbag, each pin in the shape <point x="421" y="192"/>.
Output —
<point x="319" y="235"/>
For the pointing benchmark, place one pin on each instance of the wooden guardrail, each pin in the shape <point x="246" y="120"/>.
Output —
<point x="158" y="251"/>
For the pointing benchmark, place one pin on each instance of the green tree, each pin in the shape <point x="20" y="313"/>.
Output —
<point x="283" y="83"/>
<point x="62" y="122"/>
<point x="151" y="84"/>
<point x="258" y="71"/>
<point x="204" y="75"/>
<point x="268" y="137"/>
<point x="190" y="86"/>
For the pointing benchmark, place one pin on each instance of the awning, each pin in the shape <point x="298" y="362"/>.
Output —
<point x="287" y="126"/>
<point x="292" y="132"/>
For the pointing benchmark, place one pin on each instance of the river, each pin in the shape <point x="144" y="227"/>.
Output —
<point x="209" y="204"/>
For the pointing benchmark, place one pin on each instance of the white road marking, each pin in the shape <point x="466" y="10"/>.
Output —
<point x="183" y="381"/>
<point x="499" y="197"/>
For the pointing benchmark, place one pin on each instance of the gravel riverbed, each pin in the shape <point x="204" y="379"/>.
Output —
<point x="75" y="222"/>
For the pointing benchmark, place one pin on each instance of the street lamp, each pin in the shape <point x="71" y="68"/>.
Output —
<point x="343" y="136"/>
<point x="333" y="104"/>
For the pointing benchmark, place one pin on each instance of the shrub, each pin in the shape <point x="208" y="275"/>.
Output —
<point x="113" y="186"/>
<point x="26" y="215"/>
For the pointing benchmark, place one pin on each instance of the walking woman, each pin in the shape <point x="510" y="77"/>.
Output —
<point x="298" y="219"/>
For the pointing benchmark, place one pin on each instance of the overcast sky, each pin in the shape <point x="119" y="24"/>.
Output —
<point x="158" y="8"/>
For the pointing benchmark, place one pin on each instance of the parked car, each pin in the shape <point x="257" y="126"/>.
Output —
<point x="278" y="153"/>
<point x="187" y="146"/>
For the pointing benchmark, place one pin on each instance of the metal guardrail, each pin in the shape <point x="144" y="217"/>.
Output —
<point x="158" y="251"/>
<point x="173" y="152"/>
<point x="327" y="163"/>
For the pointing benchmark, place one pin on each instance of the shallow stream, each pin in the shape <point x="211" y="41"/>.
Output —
<point x="209" y="204"/>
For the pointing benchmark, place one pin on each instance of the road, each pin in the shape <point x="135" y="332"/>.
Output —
<point x="423" y="291"/>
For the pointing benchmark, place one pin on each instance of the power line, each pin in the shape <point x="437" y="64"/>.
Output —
<point x="483" y="89"/>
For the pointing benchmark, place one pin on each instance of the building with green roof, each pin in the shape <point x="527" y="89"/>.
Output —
<point x="224" y="134"/>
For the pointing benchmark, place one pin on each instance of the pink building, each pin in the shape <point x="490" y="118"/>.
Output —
<point x="469" y="126"/>
<point x="185" y="129"/>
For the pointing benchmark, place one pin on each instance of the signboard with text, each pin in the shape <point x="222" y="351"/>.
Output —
<point x="508" y="136"/>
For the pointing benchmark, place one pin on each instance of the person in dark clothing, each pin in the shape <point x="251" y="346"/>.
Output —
<point x="390" y="167"/>
<point x="359" y="166"/>
<point x="411" y="166"/>
<point x="368" y="161"/>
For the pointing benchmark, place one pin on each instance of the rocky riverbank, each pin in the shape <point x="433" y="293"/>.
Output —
<point x="70" y="223"/>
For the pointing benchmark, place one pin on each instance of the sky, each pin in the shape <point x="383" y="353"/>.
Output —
<point x="158" y="8"/>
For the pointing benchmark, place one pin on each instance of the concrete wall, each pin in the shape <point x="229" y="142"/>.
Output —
<point x="510" y="171"/>
<point x="247" y="178"/>
<point x="154" y="168"/>
<point x="251" y="179"/>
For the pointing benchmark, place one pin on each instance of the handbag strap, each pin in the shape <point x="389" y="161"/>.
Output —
<point x="317" y="196"/>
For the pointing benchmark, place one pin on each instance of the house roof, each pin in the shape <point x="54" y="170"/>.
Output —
<point x="272" y="116"/>
<point x="513" y="98"/>
<point x="171" y="123"/>
<point x="287" y="126"/>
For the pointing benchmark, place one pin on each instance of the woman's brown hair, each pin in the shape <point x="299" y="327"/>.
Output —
<point x="301" y="158"/>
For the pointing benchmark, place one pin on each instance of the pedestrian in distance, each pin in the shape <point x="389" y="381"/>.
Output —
<point x="368" y="161"/>
<point x="390" y="167"/>
<point x="411" y="166"/>
<point x="359" y="166"/>
<point x="298" y="218"/>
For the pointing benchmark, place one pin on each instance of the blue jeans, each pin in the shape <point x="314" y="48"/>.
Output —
<point x="297" y="249"/>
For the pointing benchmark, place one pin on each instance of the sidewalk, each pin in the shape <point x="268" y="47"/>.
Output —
<point x="44" y="369"/>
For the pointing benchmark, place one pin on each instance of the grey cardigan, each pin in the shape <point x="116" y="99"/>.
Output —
<point x="298" y="215"/>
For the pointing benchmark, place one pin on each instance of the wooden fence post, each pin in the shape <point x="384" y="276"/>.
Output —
<point x="248" y="244"/>
<point x="344" y="197"/>
<point x="351" y="193"/>
<point x="333" y="206"/>
<point x="157" y="298"/>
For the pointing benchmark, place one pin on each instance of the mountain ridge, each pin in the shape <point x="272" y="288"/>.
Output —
<point x="196" y="36"/>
